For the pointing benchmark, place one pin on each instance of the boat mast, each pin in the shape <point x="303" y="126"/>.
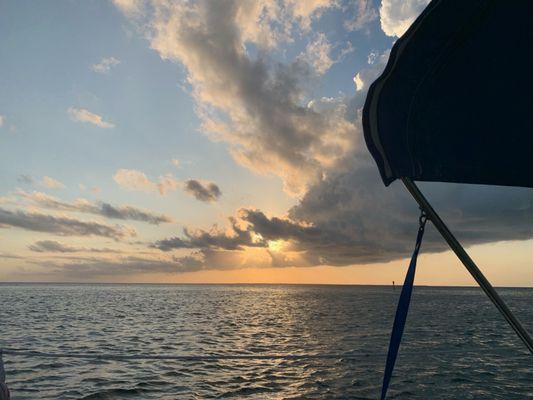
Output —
<point x="468" y="263"/>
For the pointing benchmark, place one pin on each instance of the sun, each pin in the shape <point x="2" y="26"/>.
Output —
<point x="276" y="245"/>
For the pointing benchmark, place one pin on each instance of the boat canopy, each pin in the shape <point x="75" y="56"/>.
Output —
<point x="454" y="103"/>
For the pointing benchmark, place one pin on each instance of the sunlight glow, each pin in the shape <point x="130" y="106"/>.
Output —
<point x="276" y="245"/>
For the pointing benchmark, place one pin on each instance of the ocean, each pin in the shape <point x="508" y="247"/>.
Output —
<point x="456" y="345"/>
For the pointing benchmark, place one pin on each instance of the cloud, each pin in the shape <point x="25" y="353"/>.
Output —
<point x="51" y="183"/>
<point x="61" y="226"/>
<point x="129" y="213"/>
<point x="52" y="246"/>
<point x="207" y="191"/>
<point x="2" y="120"/>
<point x="105" y="65"/>
<point x="129" y="7"/>
<point x="265" y="112"/>
<point x="366" y="76"/>
<point x="358" y="81"/>
<point x="235" y="239"/>
<point x="126" y="266"/>
<point x="253" y="104"/>
<point x="365" y="14"/>
<point x="100" y="267"/>
<point x="176" y="163"/>
<point x="83" y="115"/>
<point x="317" y="54"/>
<point x="397" y="15"/>
<point x="351" y="218"/>
<point x="259" y="232"/>
<point x="97" y="208"/>
<point x="132" y="179"/>
<point x="25" y="179"/>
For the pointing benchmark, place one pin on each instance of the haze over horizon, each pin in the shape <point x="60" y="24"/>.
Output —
<point x="219" y="142"/>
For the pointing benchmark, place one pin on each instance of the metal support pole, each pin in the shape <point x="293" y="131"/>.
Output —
<point x="469" y="263"/>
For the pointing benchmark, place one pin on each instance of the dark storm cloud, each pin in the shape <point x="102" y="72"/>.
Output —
<point x="203" y="191"/>
<point x="352" y="218"/>
<point x="60" y="225"/>
<point x="372" y="223"/>
<point x="216" y="239"/>
<point x="97" y="208"/>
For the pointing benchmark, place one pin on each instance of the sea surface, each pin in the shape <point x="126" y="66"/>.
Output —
<point x="456" y="345"/>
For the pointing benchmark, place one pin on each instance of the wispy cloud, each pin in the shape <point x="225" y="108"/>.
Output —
<point x="129" y="7"/>
<point x="105" y="65"/>
<point x="51" y="183"/>
<point x="52" y="246"/>
<point x="96" y="208"/>
<point x="2" y="120"/>
<point x="132" y="179"/>
<point x="365" y="13"/>
<point x="61" y="226"/>
<point x="318" y="54"/>
<point x="125" y="266"/>
<point x="83" y="115"/>
<point x="25" y="179"/>
<point x="203" y="191"/>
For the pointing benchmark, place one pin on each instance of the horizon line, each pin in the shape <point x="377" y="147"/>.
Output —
<point x="243" y="284"/>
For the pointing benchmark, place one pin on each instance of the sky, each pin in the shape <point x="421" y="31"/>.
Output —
<point x="218" y="141"/>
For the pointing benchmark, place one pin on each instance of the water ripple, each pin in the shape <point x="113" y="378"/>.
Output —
<point x="455" y="344"/>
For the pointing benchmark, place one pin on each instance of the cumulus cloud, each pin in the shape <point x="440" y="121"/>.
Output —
<point x="51" y="183"/>
<point x="132" y="179"/>
<point x="97" y="208"/>
<point x="207" y="191"/>
<point x="61" y="226"/>
<point x="105" y="65"/>
<point x="261" y="109"/>
<point x="52" y="246"/>
<point x="253" y="104"/>
<point x="83" y="115"/>
<point x="396" y="16"/>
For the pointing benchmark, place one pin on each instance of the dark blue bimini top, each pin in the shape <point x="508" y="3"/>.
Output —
<point x="455" y="102"/>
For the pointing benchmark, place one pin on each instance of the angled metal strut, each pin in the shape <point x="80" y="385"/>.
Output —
<point x="469" y="263"/>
